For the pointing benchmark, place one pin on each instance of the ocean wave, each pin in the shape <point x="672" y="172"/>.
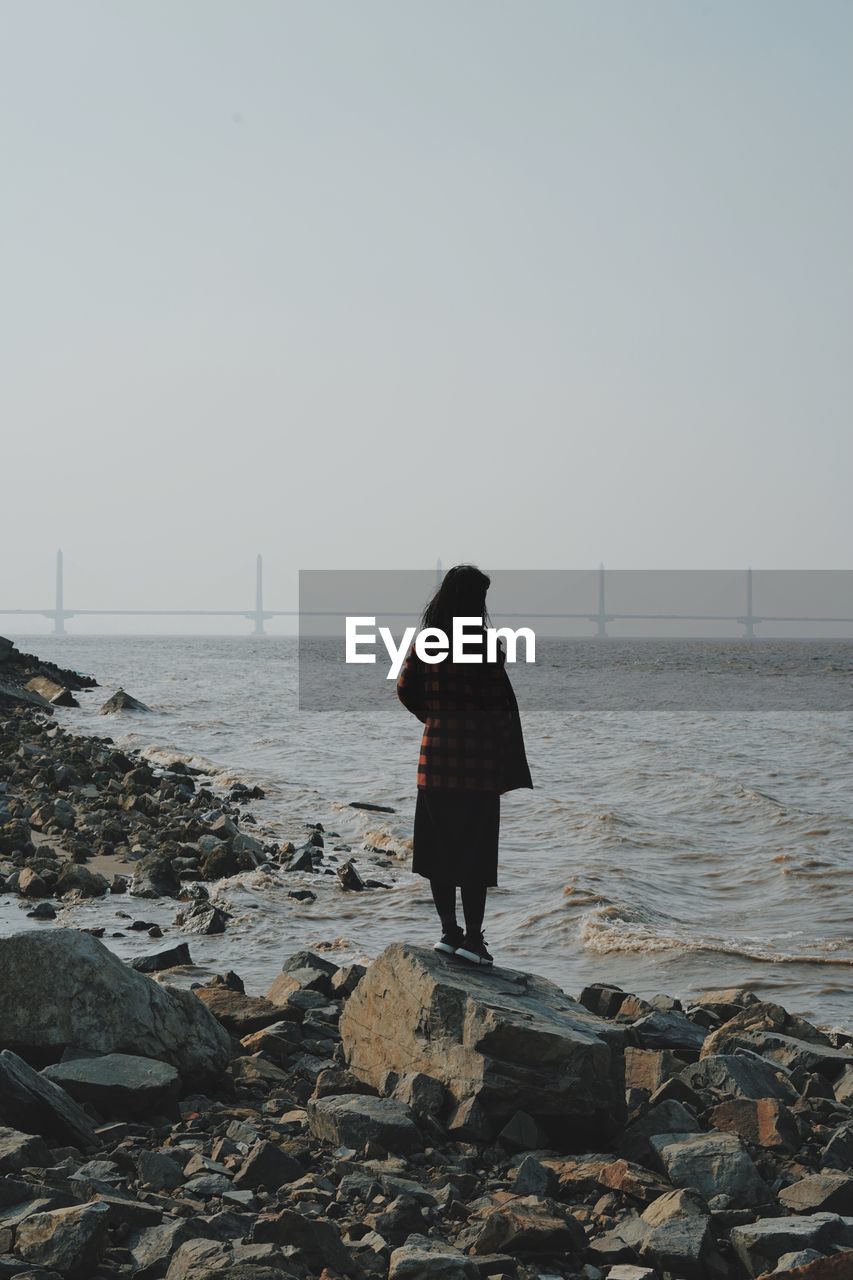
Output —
<point x="612" y="930"/>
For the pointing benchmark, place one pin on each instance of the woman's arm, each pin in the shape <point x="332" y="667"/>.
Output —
<point x="410" y="689"/>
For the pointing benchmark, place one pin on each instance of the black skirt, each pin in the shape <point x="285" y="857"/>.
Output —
<point x="456" y="836"/>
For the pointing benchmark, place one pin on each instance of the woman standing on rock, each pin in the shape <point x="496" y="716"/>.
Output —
<point x="472" y="752"/>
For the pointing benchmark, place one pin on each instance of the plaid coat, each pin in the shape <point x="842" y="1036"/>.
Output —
<point x="472" y="739"/>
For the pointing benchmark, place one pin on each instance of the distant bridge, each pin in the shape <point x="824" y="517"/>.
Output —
<point x="748" y="619"/>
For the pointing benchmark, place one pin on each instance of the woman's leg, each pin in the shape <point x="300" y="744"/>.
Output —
<point x="474" y="907"/>
<point x="444" y="897"/>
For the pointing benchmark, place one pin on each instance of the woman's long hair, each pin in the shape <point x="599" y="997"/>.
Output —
<point x="462" y="594"/>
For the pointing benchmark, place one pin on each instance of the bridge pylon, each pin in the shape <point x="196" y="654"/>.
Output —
<point x="258" y="616"/>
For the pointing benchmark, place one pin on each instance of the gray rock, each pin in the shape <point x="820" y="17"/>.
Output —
<point x="205" y="1185"/>
<point x="422" y="1258"/>
<point x="39" y="1106"/>
<point x="819" y="1192"/>
<point x="158" y="961"/>
<point x="759" y="1245"/>
<point x="678" y="1235"/>
<point x="204" y="919"/>
<point x="668" y="1029"/>
<point x="64" y="988"/>
<point x="268" y="1166"/>
<point x="152" y="1247"/>
<point x="738" y="1076"/>
<point x="70" y="1241"/>
<point x="844" y="1087"/>
<point x="514" y="1040"/>
<point x="316" y="1243"/>
<point x="119" y="1084"/>
<point x="351" y="1120"/>
<point x="155" y="877"/>
<point x="424" y="1094"/>
<point x="74" y="878"/>
<point x="18" y="1150"/>
<point x="533" y="1178"/>
<point x="712" y="1164"/>
<point x="668" y="1117"/>
<point x="838" y="1152"/>
<point x="121" y="701"/>
<point x="159" y="1171"/>
<point x="798" y="1259"/>
<point x="303" y="970"/>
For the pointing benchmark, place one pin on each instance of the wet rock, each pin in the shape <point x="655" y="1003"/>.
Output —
<point x="711" y="1164"/>
<point x="18" y="1150"/>
<point x="349" y="877"/>
<point x="759" y="1245"/>
<point x="70" y="1241"/>
<point x="74" y="878"/>
<point x="64" y="988"/>
<point x="352" y="1120"/>
<point x="159" y="961"/>
<point x="121" y="701"/>
<point x="424" y="1258"/>
<point x="43" y="911"/>
<point x="119" y="1084"/>
<point x="514" y="1040"/>
<point x="38" y="1106"/>
<point x="819" y="1192"/>
<point x="203" y="918"/>
<point x="155" y="877"/>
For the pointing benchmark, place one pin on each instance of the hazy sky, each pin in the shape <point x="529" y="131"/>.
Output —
<point x="363" y="284"/>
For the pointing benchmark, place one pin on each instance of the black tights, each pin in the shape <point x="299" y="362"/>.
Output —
<point x="473" y="906"/>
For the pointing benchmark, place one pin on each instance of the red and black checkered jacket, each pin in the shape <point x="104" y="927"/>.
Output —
<point x="472" y="739"/>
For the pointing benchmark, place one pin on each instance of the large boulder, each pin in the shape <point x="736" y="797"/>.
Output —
<point x="513" y="1040"/>
<point x="119" y="1084"/>
<point x="65" y="989"/>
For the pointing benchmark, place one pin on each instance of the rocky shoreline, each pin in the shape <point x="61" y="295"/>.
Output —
<point x="412" y="1119"/>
